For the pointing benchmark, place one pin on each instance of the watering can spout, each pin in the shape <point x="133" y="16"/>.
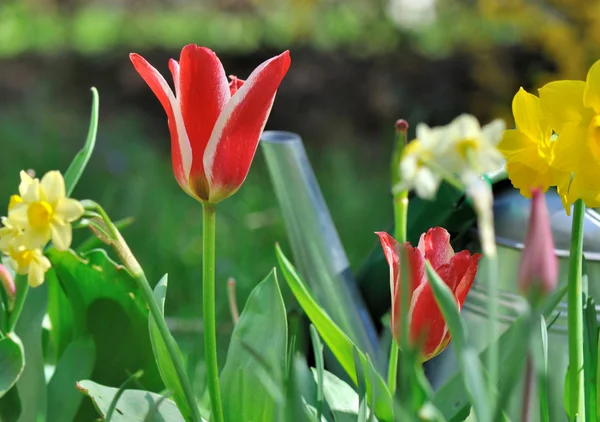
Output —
<point x="316" y="247"/>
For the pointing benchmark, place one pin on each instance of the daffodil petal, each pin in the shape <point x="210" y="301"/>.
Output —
<point x="32" y="239"/>
<point x="591" y="95"/>
<point x="492" y="132"/>
<point x="570" y="148"/>
<point x="68" y="209"/>
<point x="26" y="181"/>
<point x="515" y="143"/>
<point x="426" y="183"/>
<point x="53" y="186"/>
<point x="61" y="236"/>
<point x="526" y="178"/>
<point x="37" y="270"/>
<point x="32" y="192"/>
<point x="528" y="113"/>
<point x="18" y="215"/>
<point x="464" y="126"/>
<point x="562" y="103"/>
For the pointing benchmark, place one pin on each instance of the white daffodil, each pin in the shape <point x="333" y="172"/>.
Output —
<point x="472" y="147"/>
<point x="44" y="211"/>
<point x="417" y="167"/>
<point x="30" y="262"/>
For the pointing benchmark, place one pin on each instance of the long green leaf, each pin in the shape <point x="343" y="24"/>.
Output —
<point x="32" y="383"/>
<point x="468" y="360"/>
<point x="338" y="342"/>
<point x="452" y="398"/>
<point x="318" y="352"/>
<point x="590" y="357"/>
<point x="77" y="166"/>
<point x="252" y="381"/>
<point x="161" y="354"/>
<point x="76" y="363"/>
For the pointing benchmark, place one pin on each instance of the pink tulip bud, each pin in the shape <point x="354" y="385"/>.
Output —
<point x="8" y="283"/>
<point x="538" y="269"/>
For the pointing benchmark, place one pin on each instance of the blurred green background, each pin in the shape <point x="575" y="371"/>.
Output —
<point x="357" y="66"/>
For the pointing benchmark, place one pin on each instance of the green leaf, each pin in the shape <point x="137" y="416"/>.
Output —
<point x="318" y="352"/>
<point x="12" y="362"/>
<point x="161" y="354"/>
<point x="133" y="405"/>
<point x="341" y="398"/>
<point x="77" y="166"/>
<point x="101" y="299"/>
<point x="76" y="363"/>
<point x="452" y="399"/>
<point x="252" y="384"/>
<point x="10" y="406"/>
<point x="539" y="356"/>
<point x="468" y="360"/>
<point x="590" y="357"/>
<point x="338" y="342"/>
<point x="32" y="384"/>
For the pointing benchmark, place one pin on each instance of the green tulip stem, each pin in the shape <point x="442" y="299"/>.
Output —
<point x="209" y="218"/>
<point x="400" y="223"/>
<point x="575" y="316"/>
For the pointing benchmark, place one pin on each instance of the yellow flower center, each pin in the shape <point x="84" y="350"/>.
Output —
<point x="23" y="258"/>
<point x="14" y="200"/>
<point x="40" y="214"/>
<point x="465" y="145"/>
<point x="594" y="137"/>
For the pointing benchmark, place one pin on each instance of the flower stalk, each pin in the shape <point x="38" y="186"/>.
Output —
<point x="400" y="222"/>
<point x="111" y="235"/>
<point x="208" y="309"/>
<point x="575" y="316"/>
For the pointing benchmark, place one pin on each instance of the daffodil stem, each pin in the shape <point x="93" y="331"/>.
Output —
<point x="22" y="288"/>
<point x="575" y="316"/>
<point x="400" y="223"/>
<point x="209" y="219"/>
<point x="133" y="266"/>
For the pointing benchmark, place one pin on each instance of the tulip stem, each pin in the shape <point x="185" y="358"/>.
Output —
<point x="209" y="218"/>
<point x="575" y="316"/>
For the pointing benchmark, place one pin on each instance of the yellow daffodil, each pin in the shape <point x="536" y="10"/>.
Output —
<point x="472" y="147"/>
<point x="572" y="110"/>
<point x="30" y="262"/>
<point x="10" y="234"/>
<point x="44" y="211"/>
<point x="530" y="148"/>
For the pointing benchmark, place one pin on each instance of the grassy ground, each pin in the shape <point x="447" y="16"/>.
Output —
<point x="131" y="178"/>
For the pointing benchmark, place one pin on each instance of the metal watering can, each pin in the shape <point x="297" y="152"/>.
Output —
<point x="358" y="303"/>
<point x="511" y="217"/>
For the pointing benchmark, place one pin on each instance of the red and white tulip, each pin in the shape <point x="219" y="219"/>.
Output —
<point x="215" y="124"/>
<point x="427" y="326"/>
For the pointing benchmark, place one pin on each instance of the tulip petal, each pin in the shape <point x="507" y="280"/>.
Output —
<point x="204" y="92"/>
<point x="427" y="323"/>
<point x="391" y="253"/>
<point x="435" y="246"/>
<point x="181" y="150"/>
<point x="235" y="137"/>
<point x="465" y="266"/>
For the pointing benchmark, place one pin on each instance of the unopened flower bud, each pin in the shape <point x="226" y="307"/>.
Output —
<point x="538" y="269"/>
